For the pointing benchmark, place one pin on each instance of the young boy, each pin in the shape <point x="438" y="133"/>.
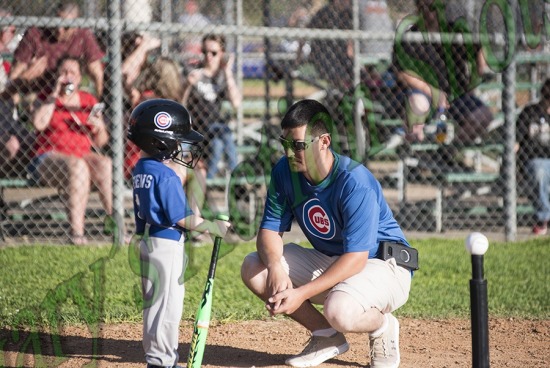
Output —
<point x="162" y="214"/>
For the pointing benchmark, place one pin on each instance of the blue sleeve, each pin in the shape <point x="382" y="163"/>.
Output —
<point x="173" y="199"/>
<point x="277" y="213"/>
<point x="140" y="223"/>
<point x="361" y="214"/>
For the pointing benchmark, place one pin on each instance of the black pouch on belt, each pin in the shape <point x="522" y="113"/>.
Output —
<point x="405" y="256"/>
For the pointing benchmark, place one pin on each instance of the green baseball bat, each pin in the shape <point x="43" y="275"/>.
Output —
<point x="202" y="320"/>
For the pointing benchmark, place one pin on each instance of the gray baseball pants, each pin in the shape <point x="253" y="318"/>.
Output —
<point x="163" y="265"/>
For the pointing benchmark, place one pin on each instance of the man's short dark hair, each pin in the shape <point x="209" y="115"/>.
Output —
<point x="311" y="113"/>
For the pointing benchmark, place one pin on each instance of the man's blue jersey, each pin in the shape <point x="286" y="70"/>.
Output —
<point x="159" y="199"/>
<point x="346" y="212"/>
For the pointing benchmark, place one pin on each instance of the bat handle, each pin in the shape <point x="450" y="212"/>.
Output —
<point x="222" y="217"/>
<point x="216" y="249"/>
<point x="218" y="239"/>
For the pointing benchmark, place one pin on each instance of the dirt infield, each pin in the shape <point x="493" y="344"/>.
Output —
<point x="424" y="343"/>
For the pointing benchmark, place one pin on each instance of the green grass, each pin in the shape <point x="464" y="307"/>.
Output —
<point x="61" y="284"/>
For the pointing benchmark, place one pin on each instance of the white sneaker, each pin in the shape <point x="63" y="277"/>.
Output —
<point x="384" y="349"/>
<point x="318" y="350"/>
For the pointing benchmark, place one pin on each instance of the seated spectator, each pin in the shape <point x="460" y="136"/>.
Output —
<point x="333" y="62"/>
<point x="9" y="142"/>
<point x="436" y="81"/>
<point x="299" y="18"/>
<point x="69" y="136"/>
<point x="40" y="49"/>
<point x="205" y="90"/>
<point x="136" y="49"/>
<point x="134" y="56"/>
<point x="533" y="135"/>
<point x="8" y="42"/>
<point x="15" y="140"/>
<point x="333" y="59"/>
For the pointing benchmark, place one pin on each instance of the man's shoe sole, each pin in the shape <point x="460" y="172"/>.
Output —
<point x="322" y="358"/>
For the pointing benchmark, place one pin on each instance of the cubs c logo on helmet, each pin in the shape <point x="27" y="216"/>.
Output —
<point x="163" y="120"/>
<point x="317" y="221"/>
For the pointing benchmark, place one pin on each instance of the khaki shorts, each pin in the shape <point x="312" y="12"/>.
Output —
<point x="381" y="284"/>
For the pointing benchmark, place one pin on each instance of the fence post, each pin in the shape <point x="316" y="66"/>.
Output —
<point x="239" y="61"/>
<point x="268" y="61"/>
<point x="166" y="17"/>
<point x="115" y="111"/>
<point x="509" y="164"/>
<point x="360" y="140"/>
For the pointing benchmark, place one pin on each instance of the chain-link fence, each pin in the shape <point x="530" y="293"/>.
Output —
<point x="426" y="94"/>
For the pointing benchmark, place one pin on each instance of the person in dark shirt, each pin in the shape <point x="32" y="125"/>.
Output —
<point x="533" y="135"/>
<point x="333" y="59"/>
<point x="39" y="51"/>
<point x="441" y="76"/>
<point x="15" y="140"/>
<point x="205" y="90"/>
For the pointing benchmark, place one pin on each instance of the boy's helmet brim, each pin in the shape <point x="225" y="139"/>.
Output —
<point x="193" y="137"/>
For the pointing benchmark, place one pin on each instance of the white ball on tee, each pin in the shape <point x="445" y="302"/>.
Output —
<point x="477" y="244"/>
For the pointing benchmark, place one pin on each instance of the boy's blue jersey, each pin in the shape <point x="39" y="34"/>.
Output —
<point x="346" y="212"/>
<point x="159" y="198"/>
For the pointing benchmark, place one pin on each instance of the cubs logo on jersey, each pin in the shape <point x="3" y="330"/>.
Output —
<point x="317" y="221"/>
<point x="163" y="120"/>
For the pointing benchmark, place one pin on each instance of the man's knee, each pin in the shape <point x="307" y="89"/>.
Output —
<point x="340" y="310"/>
<point x="343" y="312"/>
<point x="252" y="271"/>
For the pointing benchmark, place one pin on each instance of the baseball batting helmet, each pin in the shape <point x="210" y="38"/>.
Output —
<point x="162" y="128"/>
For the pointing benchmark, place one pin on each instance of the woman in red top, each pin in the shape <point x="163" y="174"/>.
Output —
<point x="69" y="135"/>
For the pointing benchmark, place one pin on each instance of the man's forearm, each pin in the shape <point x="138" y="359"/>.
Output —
<point x="270" y="247"/>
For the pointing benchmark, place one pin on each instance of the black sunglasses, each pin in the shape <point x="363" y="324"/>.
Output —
<point x="214" y="53"/>
<point x="296" y="145"/>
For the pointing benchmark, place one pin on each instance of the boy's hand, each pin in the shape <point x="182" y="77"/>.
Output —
<point x="220" y="228"/>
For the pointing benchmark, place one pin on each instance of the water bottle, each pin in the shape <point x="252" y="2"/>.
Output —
<point x="450" y="132"/>
<point x="430" y="130"/>
<point x="441" y="126"/>
<point x="544" y="136"/>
